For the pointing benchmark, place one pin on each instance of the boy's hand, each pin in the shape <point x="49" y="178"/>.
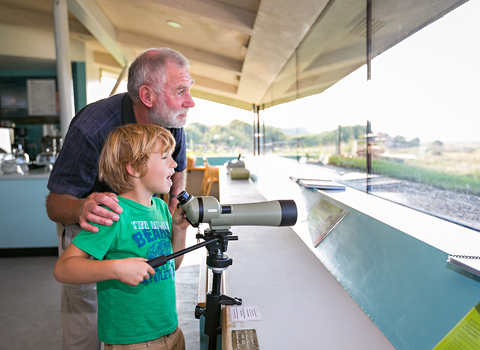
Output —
<point x="133" y="271"/>
<point x="179" y="231"/>
<point x="179" y="219"/>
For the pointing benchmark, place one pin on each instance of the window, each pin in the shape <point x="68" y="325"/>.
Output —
<point x="107" y="82"/>
<point x="218" y="130"/>
<point x="412" y="130"/>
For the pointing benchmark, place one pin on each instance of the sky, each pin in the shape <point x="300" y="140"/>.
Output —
<point x="427" y="86"/>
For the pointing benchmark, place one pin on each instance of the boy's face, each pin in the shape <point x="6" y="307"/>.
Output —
<point x="160" y="168"/>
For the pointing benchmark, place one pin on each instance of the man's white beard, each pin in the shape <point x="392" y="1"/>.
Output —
<point x="167" y="117"/>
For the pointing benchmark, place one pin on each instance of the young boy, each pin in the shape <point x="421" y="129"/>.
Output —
<point x="136" y="303"/>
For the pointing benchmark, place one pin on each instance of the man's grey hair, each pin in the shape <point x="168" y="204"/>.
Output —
<point x="150" y="68"/>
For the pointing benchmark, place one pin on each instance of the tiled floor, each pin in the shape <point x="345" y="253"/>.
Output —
<point x="30" y="302"/>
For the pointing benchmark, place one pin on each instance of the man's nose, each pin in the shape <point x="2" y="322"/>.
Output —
<point x="189" y="102"/>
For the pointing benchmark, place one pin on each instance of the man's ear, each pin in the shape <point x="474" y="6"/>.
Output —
<point x="131" y="170"/>
<point x="147" y="96"/>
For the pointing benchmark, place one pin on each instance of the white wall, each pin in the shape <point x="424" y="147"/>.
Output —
<point x="92" y="75"/>
<point x="26" y="42"/>
<point x="21" y="41"/>
<point x="31" y="42"/>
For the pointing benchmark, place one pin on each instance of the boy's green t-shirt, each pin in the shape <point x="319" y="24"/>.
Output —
<point x="128" y="314"/>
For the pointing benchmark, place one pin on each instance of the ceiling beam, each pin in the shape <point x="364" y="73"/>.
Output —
<point x="213" y="12"/>
<point x="213" y="84"/>
<point x="35" y="19"/>
<point x="143" y="42"/>
<point x="105" y="59"/>
<point x="230" y="101"/>
<point x="332" y="35"/>
<point x="267" y="54"/>
<point x="97" y="23"/>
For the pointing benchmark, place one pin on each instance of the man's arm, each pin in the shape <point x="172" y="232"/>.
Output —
<point x="179" y="182"/>
<point x="68" y="210"/>
<point x="75" y="267"/>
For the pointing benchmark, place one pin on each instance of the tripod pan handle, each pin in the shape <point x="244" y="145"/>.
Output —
<point x="158" y="261"/>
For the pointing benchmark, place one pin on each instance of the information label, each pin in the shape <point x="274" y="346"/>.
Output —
<point x="465" y="335"/>
<point x="245" y="339"/>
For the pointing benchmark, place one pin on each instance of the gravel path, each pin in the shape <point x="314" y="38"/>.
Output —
<point x="457" y="207"/>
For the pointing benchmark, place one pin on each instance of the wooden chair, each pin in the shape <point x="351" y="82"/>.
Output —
<point x="209" y="177"/>
<point x="191" y="162"/>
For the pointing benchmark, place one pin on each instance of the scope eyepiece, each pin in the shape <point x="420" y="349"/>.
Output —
<point x="183" y="197"/>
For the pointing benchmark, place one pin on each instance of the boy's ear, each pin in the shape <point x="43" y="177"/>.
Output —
<point x="131" y="170"/>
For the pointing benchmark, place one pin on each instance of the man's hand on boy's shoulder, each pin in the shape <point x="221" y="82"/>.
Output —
<point x="92" y="210"/>
<point x="69" y="210"/>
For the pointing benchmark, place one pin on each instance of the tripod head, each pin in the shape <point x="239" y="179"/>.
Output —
<point x="217" y="261"/>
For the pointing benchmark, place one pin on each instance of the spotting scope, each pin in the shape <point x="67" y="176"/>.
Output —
<point x="207" y="209"/>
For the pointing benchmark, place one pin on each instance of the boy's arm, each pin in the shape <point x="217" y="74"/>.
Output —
<point x="75" y="267"/>
<point x="179" y="233"/>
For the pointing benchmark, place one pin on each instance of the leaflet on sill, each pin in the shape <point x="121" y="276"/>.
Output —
<point x="244" y="313"/>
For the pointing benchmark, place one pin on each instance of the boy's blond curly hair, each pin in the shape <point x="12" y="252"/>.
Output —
<point x="130" y="144"/>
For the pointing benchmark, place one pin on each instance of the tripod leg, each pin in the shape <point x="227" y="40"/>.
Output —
<point x="213" y="312"/>
<point x="212" y="342"/>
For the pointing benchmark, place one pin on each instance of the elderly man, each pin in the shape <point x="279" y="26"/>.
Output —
<point x="158" y="93"/>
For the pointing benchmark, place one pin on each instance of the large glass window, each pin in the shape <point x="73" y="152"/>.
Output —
<point x="410" y="133"/>
<point x="425" y="117"/>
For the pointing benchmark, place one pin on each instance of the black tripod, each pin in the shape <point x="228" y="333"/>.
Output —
<point x="216" y="242"/>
